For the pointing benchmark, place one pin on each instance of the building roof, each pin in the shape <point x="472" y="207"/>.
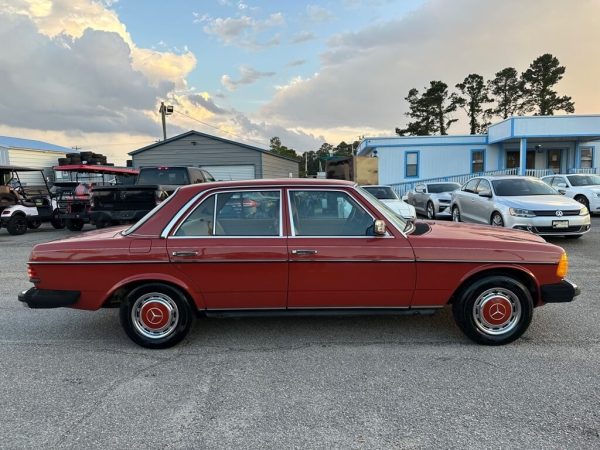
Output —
<point x="198" y="133"/>
<point x="29" y="144"/>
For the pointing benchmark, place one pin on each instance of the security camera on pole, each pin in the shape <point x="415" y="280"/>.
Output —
<point x="165" y="110"/>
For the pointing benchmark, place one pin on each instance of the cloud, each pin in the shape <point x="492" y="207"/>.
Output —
<point x="365" y="75"/>
<point x="296" y="63"/>
<point x="317" y="13"/>
<point x="303" y="36"/>
<point x="248" y="74"/>
<point x="244" y="31"/>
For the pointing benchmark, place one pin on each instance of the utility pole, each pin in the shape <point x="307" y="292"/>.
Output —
<point x="165" y="110"/>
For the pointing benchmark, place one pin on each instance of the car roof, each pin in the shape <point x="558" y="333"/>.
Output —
<point x="507" y="177"/>
<point x="271" y="182"/>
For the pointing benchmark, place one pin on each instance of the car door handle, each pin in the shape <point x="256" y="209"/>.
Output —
<point x="304" y="252"/>
<point x="185" y="253"/>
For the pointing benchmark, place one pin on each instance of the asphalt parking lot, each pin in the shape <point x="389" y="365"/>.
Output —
<point x="72" y="379"/>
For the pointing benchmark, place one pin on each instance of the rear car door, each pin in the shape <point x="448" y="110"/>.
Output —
<point x="231" y="247"/>
<point x="468" y="199"/>
<point x="336" y="262"/>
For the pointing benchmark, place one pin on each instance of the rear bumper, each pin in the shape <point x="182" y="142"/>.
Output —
<point x="562" y="292"/>
<point x="43" y="298"/>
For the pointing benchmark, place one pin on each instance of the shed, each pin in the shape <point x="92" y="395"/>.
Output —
<point x="224" y="159"/>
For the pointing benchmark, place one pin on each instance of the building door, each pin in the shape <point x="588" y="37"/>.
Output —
<point x="512" y="159"/>
<point x="554" y="160"/>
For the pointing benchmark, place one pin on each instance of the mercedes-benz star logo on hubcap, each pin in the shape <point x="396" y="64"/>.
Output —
<point x="497" y="311"/>
<point x="154" y="316"/>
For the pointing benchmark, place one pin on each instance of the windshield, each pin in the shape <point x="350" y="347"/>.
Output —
<point x="381" y="192"/>
<point x="584" y="180"/>
<point x="399" y="222"/>
<point x="442" y="187"/>
<point x="514" y="187"/>
<point x="144" y="219"/>
<point x="163" y="175"/>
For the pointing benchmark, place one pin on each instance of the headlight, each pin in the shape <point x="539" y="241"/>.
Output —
<point x="521" y="212"/>
<point x="583" y="211"/>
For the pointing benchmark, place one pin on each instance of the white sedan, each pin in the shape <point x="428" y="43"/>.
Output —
<point x="389" y="198"/>
<point x="585" y="188"/>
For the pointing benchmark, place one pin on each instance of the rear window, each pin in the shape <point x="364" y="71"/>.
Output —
<point x="381" y="192"/>
<point x="439" y="188"/>
<point x="164" y="175"/>
<point x="513" y="187"/>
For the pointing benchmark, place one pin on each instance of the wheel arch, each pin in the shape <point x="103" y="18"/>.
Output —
<point x="521" y="274"/>
<point x="123" y="287"/>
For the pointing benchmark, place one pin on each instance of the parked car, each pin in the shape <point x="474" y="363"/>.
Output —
<point x="323" y="247"/>
<point x="74" y="197"/>
<point x="24" y="205"/>
<point x="112" y="205"/>
<point x="523" y="203"/>
<point x="585" y="188"/>
<point x="432" y="199"/>
<point x="389" y="197"/>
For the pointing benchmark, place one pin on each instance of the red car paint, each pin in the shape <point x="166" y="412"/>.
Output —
<point x="262" y="272"/>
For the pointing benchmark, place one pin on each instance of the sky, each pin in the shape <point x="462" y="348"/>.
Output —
<point x="91" y="74"/>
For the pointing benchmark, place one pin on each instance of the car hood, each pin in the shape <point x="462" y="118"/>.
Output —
<point x="399" y="207"/>
<point x="442" y="196"/>
<point x="450" y="241"/>
<point x="540" y="202"/>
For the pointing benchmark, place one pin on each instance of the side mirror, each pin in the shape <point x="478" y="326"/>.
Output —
<point x="420" y="189"/>
<point x="379" y="228"/>
<point x="562" y="191"/>
<point x="486" y="193"/>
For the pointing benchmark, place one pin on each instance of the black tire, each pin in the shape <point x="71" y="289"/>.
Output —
<point x="497" y="220"/>
<point x="494" y="310"/>
<point x="34" y="224"/>
<point x="455" y="214"/>
<point x="102" y="222"/>
<point x="583" y="200"/>
<point x="63" y="161"/>
<point x="430" y="211"/>
<point x="74" y="224"/>
<point x="17" y="225"/>
<point x="56" y="221"/>
<point x="156" y="315"/>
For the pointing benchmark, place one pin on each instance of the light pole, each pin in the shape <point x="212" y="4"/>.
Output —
<point x="165" y="110"/>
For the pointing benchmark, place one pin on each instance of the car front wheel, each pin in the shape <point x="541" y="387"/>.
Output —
<point x="430" y="211"/>
<point x="497" y="220"/>
<point x="17" y="225"/>
<point x="494" y="310"/>
<point x="156" y="315"/>
<point x="455" y="214"/>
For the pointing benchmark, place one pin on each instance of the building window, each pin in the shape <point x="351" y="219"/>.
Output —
<point x="411" y="162"/>
<point x="477" y="161"/>
<point x="586" y="157"/>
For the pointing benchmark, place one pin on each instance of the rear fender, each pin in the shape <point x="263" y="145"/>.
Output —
<point x="151" y="277"/>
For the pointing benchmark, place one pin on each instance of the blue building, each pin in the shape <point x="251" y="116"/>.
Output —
<point x="531" y="145"/>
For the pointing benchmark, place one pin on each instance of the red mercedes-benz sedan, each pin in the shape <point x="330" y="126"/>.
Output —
<point x="293" y="247"/>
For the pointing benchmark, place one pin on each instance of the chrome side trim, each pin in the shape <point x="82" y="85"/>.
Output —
<point x="324" y="260"/>
<point x="485" y="262"/>
<point x="66" y="263"/>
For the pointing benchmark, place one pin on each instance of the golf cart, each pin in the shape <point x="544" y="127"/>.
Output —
<point x="26" y="200"/>
<point x="73" y="191"/>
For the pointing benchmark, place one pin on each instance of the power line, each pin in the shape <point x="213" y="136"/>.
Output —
<point x="220" y="129"/>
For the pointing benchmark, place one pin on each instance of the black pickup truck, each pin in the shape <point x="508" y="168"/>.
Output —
<point x="112" y="205"/>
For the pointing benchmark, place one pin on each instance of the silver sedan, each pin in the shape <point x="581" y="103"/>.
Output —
<point x="524" y="203"/>
<point x="432" y="199"/>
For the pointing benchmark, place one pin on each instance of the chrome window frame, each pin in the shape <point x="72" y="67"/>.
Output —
<point x="187" y="210"/>
<point x="321" y="189"/>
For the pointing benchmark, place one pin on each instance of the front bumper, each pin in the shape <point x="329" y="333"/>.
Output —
<point x="562" y="292"/>
<point x="43" y="298"/>
<point x="548" y="226"/>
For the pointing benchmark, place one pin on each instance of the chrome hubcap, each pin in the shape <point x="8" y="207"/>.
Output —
<point x="496" y="311"/>
<point x="455" y="215"/>
<point x="155" y="315"/>
<point x="430" y="211"/>
<point x="497" y="221"/>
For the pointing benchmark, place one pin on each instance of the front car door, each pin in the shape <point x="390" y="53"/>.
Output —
<point x="483" y="206"/>
<point x="336" y="261"/>
<point x="467" y="200"/>
<point x="230" y="246"/>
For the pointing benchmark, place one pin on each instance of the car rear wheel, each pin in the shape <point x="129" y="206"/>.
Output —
<point x="17" y="225"/>
<point x="156" y="315"/>
<point x="430" y="211"/>
<point x="455" y="214"/>
<point x="74" y="224"/>
<point x="495" y="310"/>
<point x="497" y="220"/>
<point x="583" y="200"/>
<point x="56" y="221"/>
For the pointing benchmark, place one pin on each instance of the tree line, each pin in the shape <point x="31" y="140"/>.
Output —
<point x="507" y="94"/>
